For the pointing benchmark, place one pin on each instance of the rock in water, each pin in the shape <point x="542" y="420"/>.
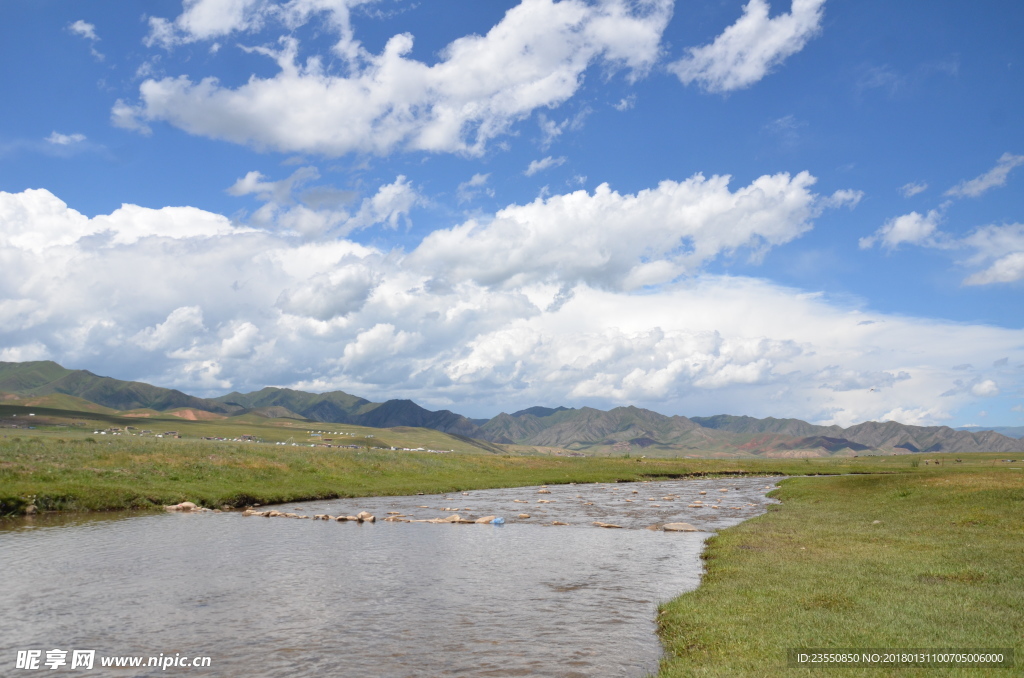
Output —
<point x="485" y="519"/>
<point x="679" y="527"/>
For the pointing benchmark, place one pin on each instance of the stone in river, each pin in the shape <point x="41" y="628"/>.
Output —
<point x="558" y="522"/>
<point x="543" y="491"/>
<point x="524" y="516"/>
<point x="679" y="527"/>
<point x="609" y="525"/>
<point x="485" y="519"/>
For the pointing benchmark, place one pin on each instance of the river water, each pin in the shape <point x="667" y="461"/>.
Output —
<point x="282" y="597"/>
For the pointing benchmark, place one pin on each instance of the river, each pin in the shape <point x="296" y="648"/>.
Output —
<point x="281" y="597"/>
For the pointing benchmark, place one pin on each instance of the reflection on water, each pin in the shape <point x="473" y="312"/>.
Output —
<point x="280" y="597"/>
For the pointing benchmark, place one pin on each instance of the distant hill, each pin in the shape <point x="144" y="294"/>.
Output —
<point x="343" y="408"/>
<point x="1008" y="431"/>
<point x="877" y="435"/>
<point x="43" y="378"/>
<point x="587" y="428"/>
<point x="619" y="430"/>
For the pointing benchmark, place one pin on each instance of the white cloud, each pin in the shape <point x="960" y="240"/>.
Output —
<point x="205" y="20"/>
<point x="913" y="228"/>
<point x="985" y="389"/>
<point x="212" y="19"/>
<point x="287" y="209"/>
<point x="185" y="298"/>
<point x="32" y="351"/>
<point x="59" y="139"/>
<point x="1001" y="250"/>
<point x="913" y="188"/>
<point x="181" y="327"/>
<point x="623" y="241"/>
<point x="991" y="179"/>
<point x="467" y="190"/>
<point x="749" y="49"/>
<point x="998" y="251"/>
<point x="625" y="103"/>
<point x="543" y="164"/>
<point x="84" y="29"/>
<point x="87" y="31"/>
<point x="534" y="58"/>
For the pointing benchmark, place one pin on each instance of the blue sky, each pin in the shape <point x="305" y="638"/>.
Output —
<point x="806" y="209"/>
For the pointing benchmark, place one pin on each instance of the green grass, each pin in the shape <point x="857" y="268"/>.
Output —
<point x="942" y="568"/>
<point x="61" y="472"/>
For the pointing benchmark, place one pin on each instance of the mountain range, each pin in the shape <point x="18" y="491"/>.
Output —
<point x="586" y="430"/>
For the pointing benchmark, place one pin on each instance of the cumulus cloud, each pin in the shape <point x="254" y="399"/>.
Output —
<point x="467" y="190"/>
<point x="913" y="188"/>
<point x="913" y="229"/>
<point x="750" y="48"/>
<point x="1001" y="250"/>
<point x="207" y="20"/>
<point x="543" y="164"/>
<point x="535" y="57"/>
<point x="84" y="29"/>
<point x="189" y="299"/>
<point x="991" y="179"/>
<point x="998" y="250"/>
<point x="985" y="389"/>
<point x="319" y="210"/>
<point x="35" y="350"/>
<point x="607" y="239"/>
<point x="59" y="139"/>
<point x="87" y="31"/>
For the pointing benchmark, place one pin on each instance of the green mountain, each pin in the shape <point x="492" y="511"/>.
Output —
<point x="624" y="427"/>
<point x="873" y="434"/>
<point x="585" y="429"/>
<point x="45" y="377"/>
<point x="1008" y="431"/>
<point x="343" y="408"/>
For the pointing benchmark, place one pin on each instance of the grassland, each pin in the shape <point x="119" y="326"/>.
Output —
<point x="869" y="552"/>
<point x="931" y="558"/>
<point x="79" y="424"/>
<point x="59" y="473"/>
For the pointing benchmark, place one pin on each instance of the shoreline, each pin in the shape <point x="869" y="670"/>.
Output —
<point x="75" y="476"/>
<point x="878" y="561"/>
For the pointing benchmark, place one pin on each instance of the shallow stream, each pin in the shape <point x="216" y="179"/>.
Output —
<point x="283" y="597"/>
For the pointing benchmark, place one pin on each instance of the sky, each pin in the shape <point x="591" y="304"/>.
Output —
<point x="803" y="209"/>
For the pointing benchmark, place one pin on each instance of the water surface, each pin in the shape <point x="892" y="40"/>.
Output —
<point x="284" y="597"/>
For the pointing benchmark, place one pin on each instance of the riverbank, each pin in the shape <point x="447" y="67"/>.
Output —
<point x="918" y="560"/>
<point x="55" y="474"/>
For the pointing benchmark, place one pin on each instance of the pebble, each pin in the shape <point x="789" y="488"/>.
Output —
<point x="679" y="527"/>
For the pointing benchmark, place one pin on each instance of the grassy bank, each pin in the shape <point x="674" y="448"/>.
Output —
<point x="920" y="560"/>
<point x="57" y="474"/>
